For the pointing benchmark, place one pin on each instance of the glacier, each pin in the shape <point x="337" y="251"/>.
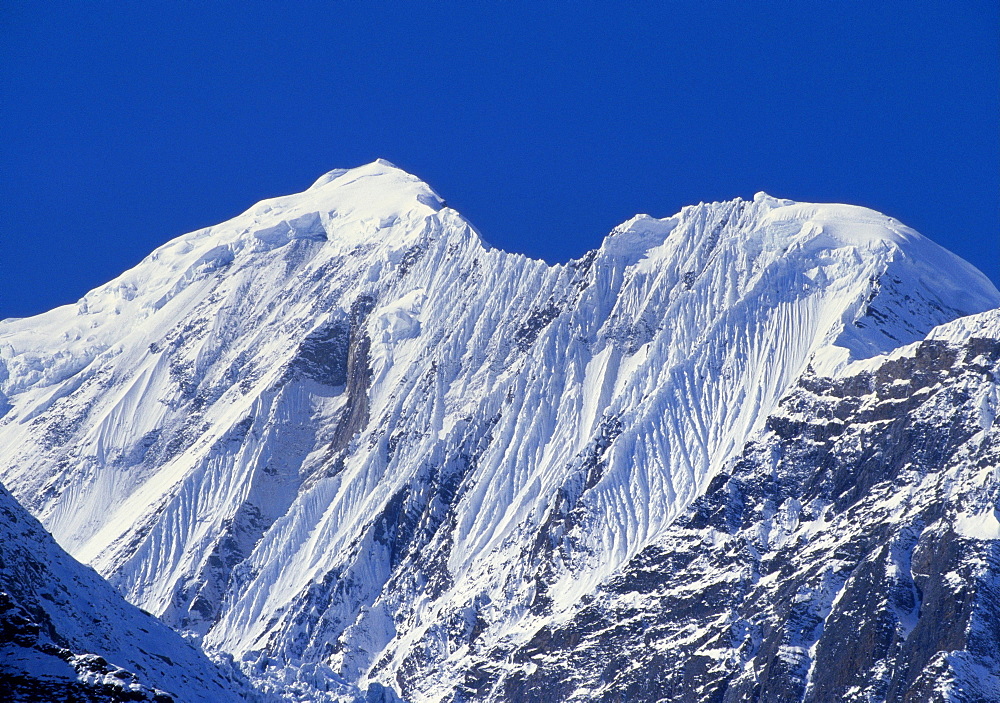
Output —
<point x="344" y="441"/>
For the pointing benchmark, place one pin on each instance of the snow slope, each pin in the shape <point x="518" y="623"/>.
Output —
<point x="340" y="436"/>
<point x="65" y="634"/>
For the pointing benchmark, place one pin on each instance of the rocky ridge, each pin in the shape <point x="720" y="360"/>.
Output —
<point x="67" y="635"/>
<point x="850" y="553"/>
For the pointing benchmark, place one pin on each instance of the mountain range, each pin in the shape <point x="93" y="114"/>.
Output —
<point x="353" y="453"/>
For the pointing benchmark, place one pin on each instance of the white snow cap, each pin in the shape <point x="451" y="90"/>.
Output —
<point x="378" y="193"/>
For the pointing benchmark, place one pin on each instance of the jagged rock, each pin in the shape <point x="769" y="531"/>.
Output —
<point x="849" y="554"/>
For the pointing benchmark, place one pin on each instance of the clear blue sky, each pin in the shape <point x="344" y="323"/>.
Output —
<point x="546" y="124"/>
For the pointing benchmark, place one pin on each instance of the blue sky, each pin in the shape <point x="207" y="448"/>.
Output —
<point x="545" y="124"/>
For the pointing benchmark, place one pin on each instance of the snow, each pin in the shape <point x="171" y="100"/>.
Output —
<point x="631" y="241"/>
<point x="80" y="611"/>
<point x="399" y="320"/>
<point x="982" y="526"/>
<point x="203" y="429"/>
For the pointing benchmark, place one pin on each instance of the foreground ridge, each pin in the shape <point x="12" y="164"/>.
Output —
<point x="344" y="441"/>
<point x="65" y="634"/>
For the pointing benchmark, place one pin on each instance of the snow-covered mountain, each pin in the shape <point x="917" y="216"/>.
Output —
<point x="342" y="439"/>
<point x="66" y="635"/>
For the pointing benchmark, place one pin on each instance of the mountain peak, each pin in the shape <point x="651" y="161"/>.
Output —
<point x="380" y="168"/>
<point x="376" y="189"/>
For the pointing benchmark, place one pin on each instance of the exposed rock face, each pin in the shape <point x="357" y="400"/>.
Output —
<point x="850" y="553"/>
<point x="344" y="441"/>
<point x="66" y="635"/>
